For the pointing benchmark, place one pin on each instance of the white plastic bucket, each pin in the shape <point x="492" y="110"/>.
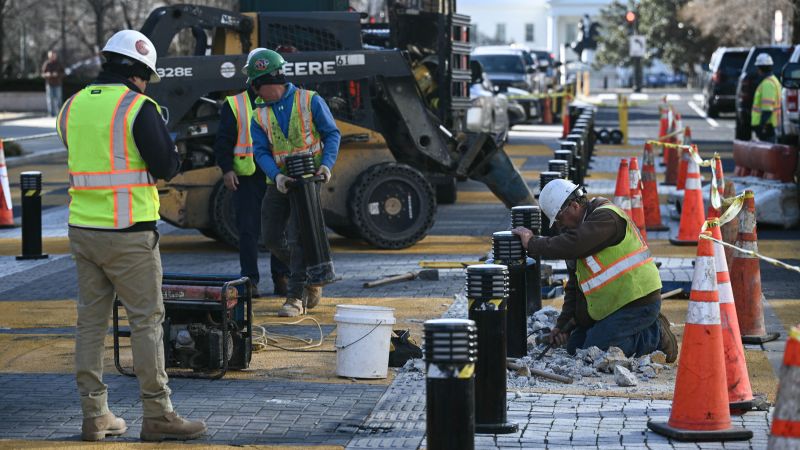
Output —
<point x="363" y="334"/>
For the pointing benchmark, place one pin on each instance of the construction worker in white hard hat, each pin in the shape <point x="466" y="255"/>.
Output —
<point x="233" y="152"/>
<point x="613" y="293"/>
<point x="118" y="146"/>
<point x="766" y="111"/>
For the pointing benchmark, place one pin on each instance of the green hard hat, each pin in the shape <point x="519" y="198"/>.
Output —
<point x="262" y="62"/>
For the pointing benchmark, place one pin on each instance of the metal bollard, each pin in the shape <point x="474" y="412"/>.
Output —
<point x="305" y="203"/>
<point x="508" y="251"/>
<point x="544" y="178"/>
<point x="580" y="151"/>
<point x="451" y="347"/>
<point x="487" y="294"/>
<point x="31" y="186"/>
<point x="567" y="156"/>
<point x="558" y="165"/>
<point x="576" y="158"/>
<point x="530" y="217"/>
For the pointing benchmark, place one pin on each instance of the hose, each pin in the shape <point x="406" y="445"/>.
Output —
<point x="263" y="338"/>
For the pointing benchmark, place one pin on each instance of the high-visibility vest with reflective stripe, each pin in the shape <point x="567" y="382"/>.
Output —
<point x="767" y="98"/>
<point x="110" y="186"/>
<point x="303" y="135"/>
<point x="243" y="163"/>
<point x="619" y="274"/>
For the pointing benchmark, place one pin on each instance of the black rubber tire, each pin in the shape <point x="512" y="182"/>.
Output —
<point x="209" y="233"/>
<point x="447" y="193"/>
<point x="223" y="215"/>
<point x="411" y="198"/>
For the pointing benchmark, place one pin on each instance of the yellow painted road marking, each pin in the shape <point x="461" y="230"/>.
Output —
<point x="779" y="249"/>
<point x="528" y="150"/>
<point x="477" y="197"/>
<point x="451" y="245"/>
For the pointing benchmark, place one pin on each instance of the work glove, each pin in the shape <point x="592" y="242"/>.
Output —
<point x="325" y="172"/>
<point x="281" y="182"/>
<point x="231" y="180"/>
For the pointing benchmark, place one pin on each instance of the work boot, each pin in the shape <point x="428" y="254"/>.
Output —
<point x="293" y="307"/>
<point x="312" y="294"/>
<point x="668" y="342"/>
<point x="171" y="426"/>
<point x="97" y="428"/>
<point x="281" y="283"/>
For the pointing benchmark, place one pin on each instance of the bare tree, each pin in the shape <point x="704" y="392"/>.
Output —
<point x="100" y="8"/>
<point x="737" y="22"/>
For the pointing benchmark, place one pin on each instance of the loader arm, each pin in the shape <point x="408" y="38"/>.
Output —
<point x="164" y="23"/>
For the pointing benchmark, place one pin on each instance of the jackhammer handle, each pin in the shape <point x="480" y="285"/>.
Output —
<point x="314" y="178"/>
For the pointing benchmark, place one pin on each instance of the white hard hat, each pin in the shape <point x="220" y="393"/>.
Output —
<point x="553" y="196"/>
<point x="136" y="46"/>
<point x="250" y="55"/>
<point x="763" y="59"/>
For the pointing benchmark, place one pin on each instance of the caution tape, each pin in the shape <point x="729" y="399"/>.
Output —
<point x="694" y="153"/>
<point x="767" y="259"/>
<point x="540" y="96"/>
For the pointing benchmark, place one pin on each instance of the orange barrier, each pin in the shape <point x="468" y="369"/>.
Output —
<point x="746" y="278"/>
<point x="740" y="393"/>
<point x="765" y="160"/>
<point x="652" y="208"/>
<point x="6" y="209"/>
<point x="622" y="193"/>
<point x="692" y="216"/>
<point x="700" y="410"/>
<point x="718" y="174"/>
<point x="786" y="416"/>
<point x="637" y="211"/>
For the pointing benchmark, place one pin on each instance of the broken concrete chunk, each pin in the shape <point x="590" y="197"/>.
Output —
<point x="658" y="357"/>
<point x="612" y="358"/>
<point x="524" y="371"/>
<point x="648" y="371"/>
<point x="623" y="377"/>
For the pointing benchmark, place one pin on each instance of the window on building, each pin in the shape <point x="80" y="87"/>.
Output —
<point x="529" y="35"/>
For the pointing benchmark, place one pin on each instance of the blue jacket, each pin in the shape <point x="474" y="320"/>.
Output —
<point x="323" y="122"/>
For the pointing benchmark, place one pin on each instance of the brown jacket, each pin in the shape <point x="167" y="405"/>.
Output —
<point x="600" y="229"/>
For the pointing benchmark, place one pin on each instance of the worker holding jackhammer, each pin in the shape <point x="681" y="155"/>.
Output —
<point x="118" y="145"/>
<point x="292" y="121"/>
<point x="233" y="150"/>
<point x="613" y="293"/>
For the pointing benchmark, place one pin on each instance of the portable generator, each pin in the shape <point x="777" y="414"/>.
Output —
<point x="207" y="325"/>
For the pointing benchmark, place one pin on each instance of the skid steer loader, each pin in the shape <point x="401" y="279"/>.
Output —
<point x="398" y="91"/>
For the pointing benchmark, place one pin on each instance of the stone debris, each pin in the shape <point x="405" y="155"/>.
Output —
<point x="612" y="358"/>
<point x="623" y="377"/>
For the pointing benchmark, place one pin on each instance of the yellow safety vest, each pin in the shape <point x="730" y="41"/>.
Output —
<point x="767" y="98"/>
<point x="303" y="136"/>
<point x="243" y="163"/>
<point x="619" y="274"/>
<point x="109" y="183"/>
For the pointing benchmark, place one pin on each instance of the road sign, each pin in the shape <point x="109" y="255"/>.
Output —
<point x="637" y="46"/>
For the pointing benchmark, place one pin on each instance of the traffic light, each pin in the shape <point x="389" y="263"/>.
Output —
<point x="630" y="17"/>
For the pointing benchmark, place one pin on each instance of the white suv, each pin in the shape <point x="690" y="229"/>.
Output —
<point x="790" y="104"/>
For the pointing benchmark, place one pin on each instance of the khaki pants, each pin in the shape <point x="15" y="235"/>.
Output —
<point x="128" y="264"/>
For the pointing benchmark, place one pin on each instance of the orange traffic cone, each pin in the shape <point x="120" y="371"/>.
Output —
<point x="700" y="410"/>
<point x="746" y="278"/>
<point x="622" y="194"/>
<point x="740" y="394"/>
<point x="652" y="208"/>
<point x="637" y="211"/>
<point x="691" y="209"/>
<point x="565" y="126"/>
<point x="683" y="161"/>
<point x="677" y="127"/>
<point x="730" y="230"/>
<point x="786" y="416"/>
<point x="671" y="164"/>
<point x="720" y="177"/>
<point x="6" y="211"/>
<point x="547" y="113"/>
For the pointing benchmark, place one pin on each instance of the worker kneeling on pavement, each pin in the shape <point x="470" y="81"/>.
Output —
<point x="118" y="145"/>
<point x="292" y="121"/>
<point x="613" y="295"/>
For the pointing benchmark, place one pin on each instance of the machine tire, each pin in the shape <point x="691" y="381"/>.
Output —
<point x="347" y="231"/>
<point x="379" y="205"/>
<point x="223" y="215"/>
<point x="209" y="233"/>
<point x="447" y="193"/>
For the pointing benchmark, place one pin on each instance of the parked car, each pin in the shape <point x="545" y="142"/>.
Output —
<point x="507" y="66"/>
<point x="748" y="82"/>
<point x="547" y="66"/>
<point x="790" y="109"/>
<point x="489" y="109"/>
<point x="719" y="87"/>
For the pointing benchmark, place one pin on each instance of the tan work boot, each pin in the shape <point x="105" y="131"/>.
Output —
<point x="668" y="342"/>
<point x="292" y="307"/>
<point x="171" y="426"/>
<point x="97" y="428"/>
<point x="312" y="294"/>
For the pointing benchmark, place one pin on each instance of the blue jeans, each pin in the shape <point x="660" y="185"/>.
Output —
<point x="247" y="201"/>
<point x="634" y="330"/>
<point x="53" y="98"/>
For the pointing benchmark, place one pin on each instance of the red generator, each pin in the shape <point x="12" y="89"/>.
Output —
<point x="208" y="325"/>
